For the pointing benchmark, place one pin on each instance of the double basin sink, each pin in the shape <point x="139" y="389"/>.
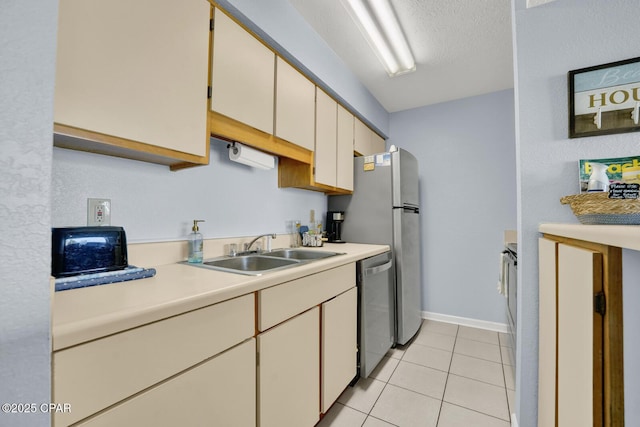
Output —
<point x="256" y="264"/>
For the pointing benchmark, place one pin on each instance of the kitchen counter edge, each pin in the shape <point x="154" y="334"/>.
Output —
<point x="86" y="314"/>
<point x="623" y="236"/>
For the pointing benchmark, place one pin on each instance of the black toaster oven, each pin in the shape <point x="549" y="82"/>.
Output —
<point x="83" y="250"/>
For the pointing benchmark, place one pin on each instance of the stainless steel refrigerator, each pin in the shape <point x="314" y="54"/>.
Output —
<point x="385" y="209"/>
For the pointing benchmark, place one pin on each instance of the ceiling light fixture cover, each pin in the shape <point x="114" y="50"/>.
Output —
<point x="378" y="23"/>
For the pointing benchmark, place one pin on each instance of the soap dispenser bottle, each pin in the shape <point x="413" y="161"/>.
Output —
<point x="195" y="243"/>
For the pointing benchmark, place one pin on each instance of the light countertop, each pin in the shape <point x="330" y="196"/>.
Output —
<point x="85" y="314"/>
<point x="623" y="236"/>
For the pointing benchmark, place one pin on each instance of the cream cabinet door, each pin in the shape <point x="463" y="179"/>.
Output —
<point x="326" y="139"/>
<point x="219" y="392"/>
<point x="135" y="70"/>
<point x="295" y="106"/>
<point x="361" y="138"/>
<point x="547" y="333"/>
<point x="377" y="143"/>
<point x="344" y="155"/>
<point x="95" y="375"/>
<point x="366" y="141"/>
<point x="242" y="74"/>
<point x="339" y="345"/>
<point x="579" y="276"/>
<point x="288" y="372"/>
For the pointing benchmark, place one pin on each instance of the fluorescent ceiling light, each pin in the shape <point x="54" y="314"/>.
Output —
<point x="378" y="23"/>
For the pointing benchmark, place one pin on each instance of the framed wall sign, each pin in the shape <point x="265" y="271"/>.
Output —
<point x="605" y="99"/>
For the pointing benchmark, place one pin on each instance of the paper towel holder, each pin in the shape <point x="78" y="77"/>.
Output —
<point x="250" y="156"/>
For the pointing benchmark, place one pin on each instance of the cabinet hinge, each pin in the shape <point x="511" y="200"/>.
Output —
<point x="599" y="303"/>
<point x="211" y="25"/>
<point x="208" y="92"/>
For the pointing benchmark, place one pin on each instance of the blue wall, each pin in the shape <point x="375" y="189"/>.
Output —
<point x="154" y="204"/>
<point x="466" y="153"/>
<point x="27" y="64"/>
<point x="551" y="40"/>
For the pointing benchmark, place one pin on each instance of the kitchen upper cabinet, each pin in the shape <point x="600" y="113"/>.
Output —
<point x="243" y="95"/>
<point x="288" y="377"/>
<point x="344" y="155"/>
<point x="339" y="345"/>
<point x="295" y="106"/>
<point x="242" y="75"/>
<point x="326" y="139"/>
<point x="131" y="79"/>
<point x="332" y="169"/>
<point x="366" y="141"/>
<point x="580" y="340"/>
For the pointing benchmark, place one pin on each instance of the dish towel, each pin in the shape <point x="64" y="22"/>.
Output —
<point x="85" y="280"/>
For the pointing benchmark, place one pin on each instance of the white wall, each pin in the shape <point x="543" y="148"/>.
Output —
<point x="27" y="54"/>
<point x="551" y="40"/>
<point x="466" y="153"/>
<point x="152" y="203"/>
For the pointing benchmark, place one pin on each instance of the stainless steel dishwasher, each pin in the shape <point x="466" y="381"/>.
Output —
<point x="375" y="310"/>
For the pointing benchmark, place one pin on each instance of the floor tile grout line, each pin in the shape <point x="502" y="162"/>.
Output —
<point x="479" y="412"/>
<point x="446" y="382"/>
<point x="449" y="373"/>
<point x="506" y="392"/>
<point x="475" y="379"/>
<point x="482" y="342"/>
<point x="452" y="352"/>
<point x="386" y="383"/>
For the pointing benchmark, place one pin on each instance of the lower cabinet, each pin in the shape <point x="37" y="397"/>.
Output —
<point x="307" y="347"/>
<point x="220" y="391"/>
<point x="580" y="334"/>
<point x="339" y="345"/>
<point x="210" y="367"/>
<point x="288" y="377"/>
<point x="126" y="371"/>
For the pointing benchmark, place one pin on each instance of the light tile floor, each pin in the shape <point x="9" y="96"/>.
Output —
<point x="447" y="376"/>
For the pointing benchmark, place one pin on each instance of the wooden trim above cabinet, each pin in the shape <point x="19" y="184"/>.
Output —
<point x="228" y="129"/>
<point x="94" y="142"/>
<point x="292" y="173"/>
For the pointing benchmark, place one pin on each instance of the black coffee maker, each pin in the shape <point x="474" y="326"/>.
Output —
<point x="334" y="226"/>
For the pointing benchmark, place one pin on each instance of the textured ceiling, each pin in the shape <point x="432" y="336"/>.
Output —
<point x="462" y="48"/>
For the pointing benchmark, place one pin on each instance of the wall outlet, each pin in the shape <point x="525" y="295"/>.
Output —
<point x="98" y="212"/>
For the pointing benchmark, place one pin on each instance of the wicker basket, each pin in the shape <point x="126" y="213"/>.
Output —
<point x="598" y="208"/>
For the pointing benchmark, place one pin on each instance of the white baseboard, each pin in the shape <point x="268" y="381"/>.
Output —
<point x="465" y="321"/>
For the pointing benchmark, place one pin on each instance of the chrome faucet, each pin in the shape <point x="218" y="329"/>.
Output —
<point x="247" y="246"/>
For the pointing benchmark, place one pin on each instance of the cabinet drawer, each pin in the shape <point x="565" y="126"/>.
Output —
<point x="281" y="302"/>
<point x="221" y="391"/>
<point x="100" y="373"/>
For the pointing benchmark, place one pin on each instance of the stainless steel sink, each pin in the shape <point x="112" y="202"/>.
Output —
<point x="301" y="254"/>
<point x="252" y="264"/>
<point x="257" y="264"/>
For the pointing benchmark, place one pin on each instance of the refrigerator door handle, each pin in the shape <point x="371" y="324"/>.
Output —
<point x="378" y="269"/>
<point x="411" y="209"/>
